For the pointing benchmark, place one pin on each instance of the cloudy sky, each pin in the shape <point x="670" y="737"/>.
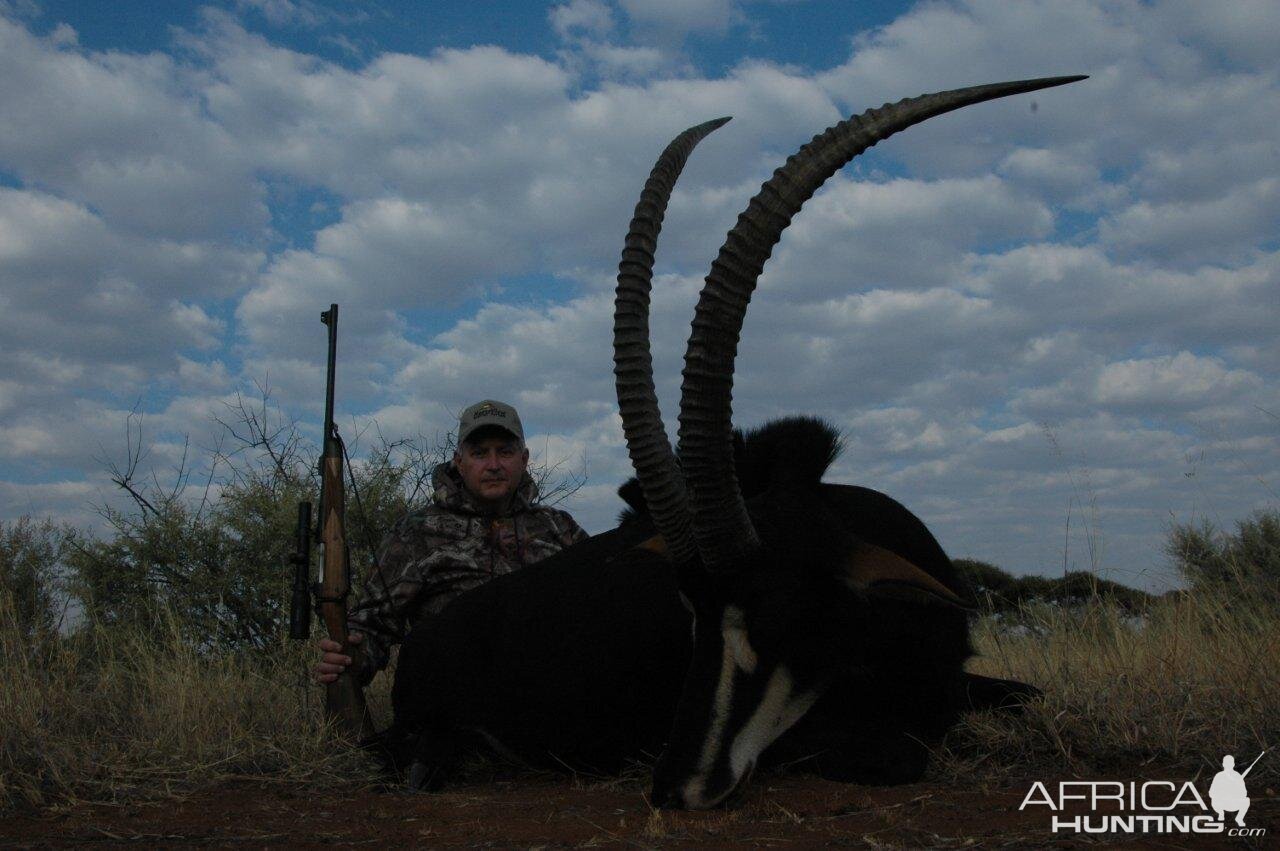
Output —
<point x="1047" y="324"/>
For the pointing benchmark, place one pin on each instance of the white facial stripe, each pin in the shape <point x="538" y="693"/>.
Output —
<point x="732" y="621"/>
<point x="693" y="617"/>
<point x="778" y="710"/>
<point x="736" y="641"/>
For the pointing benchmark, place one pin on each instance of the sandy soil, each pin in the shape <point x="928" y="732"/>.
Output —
<point x="553" y="812"/>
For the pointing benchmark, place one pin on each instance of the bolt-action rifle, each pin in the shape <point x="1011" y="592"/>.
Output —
<point x="344" y="698"/>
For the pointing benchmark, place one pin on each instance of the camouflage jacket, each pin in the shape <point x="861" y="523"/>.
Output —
<point x="435" y="553"/>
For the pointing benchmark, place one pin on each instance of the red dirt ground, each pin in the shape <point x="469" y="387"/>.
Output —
<point x="549" y="812"/>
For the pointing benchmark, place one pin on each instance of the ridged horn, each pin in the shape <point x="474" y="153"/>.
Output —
<point x="647" y="443"/>
<point x="722" y="529"/>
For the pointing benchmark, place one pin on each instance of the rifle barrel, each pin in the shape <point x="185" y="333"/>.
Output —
<point x="1252" y="764"/>
<point x="330" y="318"/>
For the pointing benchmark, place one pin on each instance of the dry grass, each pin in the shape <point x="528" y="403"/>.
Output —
<point x="111" y="715"/>
<point x="1192" y="680"/>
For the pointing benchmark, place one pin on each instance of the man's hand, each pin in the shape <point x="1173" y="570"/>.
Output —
<point x="332" y="660"/>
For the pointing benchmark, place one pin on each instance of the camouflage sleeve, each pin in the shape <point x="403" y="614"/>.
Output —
<point x="570" y="532"/>
<point x="385" y="608"/>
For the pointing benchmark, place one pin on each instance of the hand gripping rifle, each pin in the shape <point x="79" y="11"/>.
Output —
<point x="344" y="698"/>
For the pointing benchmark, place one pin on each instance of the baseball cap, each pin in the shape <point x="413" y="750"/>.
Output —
<point x="489" y="412"/>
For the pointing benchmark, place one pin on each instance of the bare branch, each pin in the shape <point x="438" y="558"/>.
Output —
<point x="215" y="456"/>
<point x="251" y="428"/>
<point x="134" y="453"/>
<point x="559" y="486"/>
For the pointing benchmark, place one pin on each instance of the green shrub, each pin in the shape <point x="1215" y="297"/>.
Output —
<point x="1000" y="591"/>
<point x="217" y="560"/>
<point x="30" y="558"/>
<point x="1210" y="558"/>
<point x="219" y="564"/>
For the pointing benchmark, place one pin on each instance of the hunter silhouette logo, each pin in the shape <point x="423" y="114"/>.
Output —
<point x="1151" y="806"/>
<point x="1227" y="793"/>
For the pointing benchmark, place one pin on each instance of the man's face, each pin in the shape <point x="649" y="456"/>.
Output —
<point x="492" y="466"/>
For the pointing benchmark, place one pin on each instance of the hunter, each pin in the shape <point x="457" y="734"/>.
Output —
<point x="482" y="522"/>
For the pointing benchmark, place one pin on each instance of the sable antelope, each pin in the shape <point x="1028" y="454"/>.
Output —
<point x="744" y="610"/>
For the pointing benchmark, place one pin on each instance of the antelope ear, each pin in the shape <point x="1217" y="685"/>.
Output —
<point x="656" y="544"/>
<point x="877" y="572"/>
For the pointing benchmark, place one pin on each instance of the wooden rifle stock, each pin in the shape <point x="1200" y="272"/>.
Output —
<point x="344" y="698"/>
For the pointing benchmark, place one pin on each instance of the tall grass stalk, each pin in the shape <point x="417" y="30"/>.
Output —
<point x="1192" y="679"/>
<point x="127" y="712"/>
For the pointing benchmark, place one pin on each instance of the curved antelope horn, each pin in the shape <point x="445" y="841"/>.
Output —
<point x="721" y="527"/>
<point x="647" y="443"/>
